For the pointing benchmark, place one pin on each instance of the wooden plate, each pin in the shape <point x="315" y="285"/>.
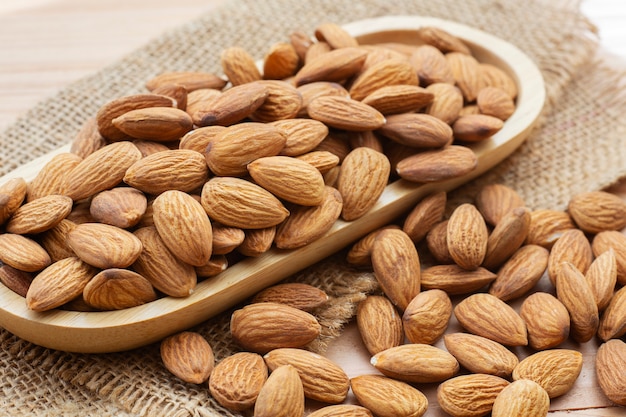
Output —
<point x="97" y="332"/>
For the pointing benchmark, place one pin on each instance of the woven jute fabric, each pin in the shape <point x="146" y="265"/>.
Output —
<point x="578" y="146"/>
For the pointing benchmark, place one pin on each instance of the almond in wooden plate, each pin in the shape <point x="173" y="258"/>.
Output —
<point x="12" y="194"/>
<point x="522" y="398"/>
<point x="610" y="363"/>
<point x="488" y="316"/>
<point x="236" y="381"/>
<point x="615" y="240"/>
<point x="480" y="355"/>
<point x="431" y="66"/>
<point x="379" y="324"/>
<point x="476" y="127"/>
<point x="116" y="289"/>
<point x="311" y="91"/>
<point x="386" y="397"/>
<point x="215" y="265"/>
<point x="345" y="113"/>
<point x="229" y="107"/>
<point x="427" y="316"/>
<point x="261" y="327"/>
<point x="613" y="321"/>
<point x="396" y="266"/>
<point x="437" y="165"/>
<point x="495" y="102"/>
<point x="104" y="246"/>
<point x="415" y="362"/>
<point x="467" y="75"/>
<point x="395" y="99"/>
<point x="184" y="227"/>
<point x="323" y="161"/>
<point x="572" y="247"/>
<point x="188" y="356"/>
<point x="52" y="178"/>
<point x="574" y="292"/>
<point x="121" y="206"/>
<point x="467" y="236"/>
<point x="556" y="370"/>
<point x="240" y="203"/>
<point x="442" y="40"/>
<point x="495" y="77"/>
<point x="546" y="226"/>
<point x="334" y="66"/>
<point x="335" y="36"/>
<point x="23" y="253"/>
<point x="417" y="130"/>
<point x="281" y="395"/>
<point x="520" y="273"/>
<point x="597" y="211"/>
<point x="15" y="280"/>
<point x="303" y="135"/>
<point x="364" y="175"/>
<point x="160" y="124"/>
<point x="239" y="66"/>
<point x="225" y="238"/>
<point x="470" y="395"/>
<point x="547" y="320"/>
<point x="436" y="240"/>
<point x="54" y="241"/>
<point x="322" y="379"/>
<point x="295" y="294"/>
<point x="39" y="215"/>
<point x="257" y="241"/>
<point x="447" y="103"/>
<point x="382" y="74"/>
<point x="59" y="283"/>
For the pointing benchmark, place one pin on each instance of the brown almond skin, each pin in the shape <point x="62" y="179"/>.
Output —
<point x="488" y="316"/>
<point x="597" y="211"/>
<point x="236" y="381"/>
<point x="39" y="215"/>
<point x="455" y="280"/>
<point x="574" y="292"/>
<point x="437" y="243"/>
<point x="59" y="283"/>
<point x="225" y="238"/>
<point x="54" y="241"/>
<point x="52" y="178"/>
<point x="188" y="356"/>
<point x="520" y="273"/>
<point x="104" y="246"/>
<point x="494" y="201"/>
<point x="384" y="73"/>
<point x="15" y="280"/>
<point x="476" y="127"/>
<point x="546" y="226"/>
<point x="149" y="147"/>
<point x="199" y="138"/>
<point x="416" y="363"/>
<point x="231" y="106"/>
<point x="333" y="66"/>
<point x="470" y="395"/>
<point x="442" y="40"/>
<point x="345" y="113"/>
<point x="295" y="294"/>
<point x="610" y="364"/>
<point x="176" y="92"/>
<point x="572" y="247"/>
<point x="281" y="395"/>
<point x="547" y="320"/>
<point x="396" y="265"/>
<point x="495" y="77"/>
<point x="466" y="71"/>
<point x="239" y="66"/>
<point x="214" y="266"/>
<point x="322" y="379"/>
<point x="480" y="355"/>
<point x="280" y="61"/>
<point x="431" y="66"/>
<point x="311" y="91"/>
<point x="335" y="36"/>
<point x="360" y="195"/>
<point x="428" y="212"/>
<point x="387" y="397"/>
<point x="613" y="321"/>
<point x="604" y="241"/>
<point x="117" y="289"/>
<point x="521" y="398"/>
<point x="495" y="102"/>
<point x="602" y="278"/>
<point x="257" y="241"/>
<point x="261" y="327"/>
<point x="158" y="265"/>
<point x="103" y="169"/>
<point x="122" y="207"/>
<point x="88" y="139"/>
<point x="12" y="194"/>
<point x="507" y="237"/>
<point x="283" y="101"/>
<point x="396" y="99"/>
<point x="160" y="124"/>
<point x="176" y="169"/>
<point x="467" y="237"/>
<point x="199" y="100"/>
<point x="379" y="324"/>
<point x="323" y="161"/>
<point x="22" y="253"/>
<point x="417" y="130"/>
<point x="360" y="252"/>
<point x="448" y="101"/>
<point x="303" y="135"/>
<point x="556" y="370"/>
<point x="437" y="165"/>
<point x="427" y="316"/>
<point x="189" y="80"/>
<point x="342" y="410"/>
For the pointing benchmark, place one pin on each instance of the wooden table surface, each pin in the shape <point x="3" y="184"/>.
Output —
<point x="47" y="44"/>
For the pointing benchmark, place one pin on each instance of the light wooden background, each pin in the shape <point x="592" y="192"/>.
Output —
<point x="47" y="44"/>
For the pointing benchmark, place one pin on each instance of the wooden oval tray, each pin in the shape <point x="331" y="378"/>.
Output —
<point x="97" y="332"/>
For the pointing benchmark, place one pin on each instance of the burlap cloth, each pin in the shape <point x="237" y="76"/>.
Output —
<point x="580" y="146"/>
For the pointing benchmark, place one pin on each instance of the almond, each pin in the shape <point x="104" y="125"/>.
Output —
<point x="597" y="211"/>
<point x="427" y="316"/>
<point x="467" y="237"/>
<point x="368" y="139"/>
<point x="382" y="74"/>
<point x="442" y="40"/>
<point x="476" y="127"/>
<point x="574" y="292"/>
<point x="283" y="101"/>
<point x="415" y="362"/>
<point x="323" y="161"/>
<point x="335" y="143"/>
<point x="610" y="363"/>
<point x="22" y="253"/>
<point x="240" y="203"/>
<point x="295" y="294"/>
<point x="334" y="66"/>
<point x="116" y="289"/>
<point x="602" y="277"/>
<point x="507" y="237"/>
<point x="52" y="178"/>
<point x="200" y="99"/>
<point x="480" y="355"/>
<point x="257" y="241"/>
<point x="303" y="135"/>
<point x="437" y="243"/>
<point x="176" y="169"/>
<point x="306" y="224"/>
<point x="495" y="77"/>
<point x="59" y="283"/>
<point x="470" y="395"/>
<point x="467" y="74"/>
<point x="431" y="65"/>
<point x="189" y="80"/>
<point x="335" y="36"/>
<point x="149" y="147"/>
<point x="236" y="381"/>
<point x="322" y="379"/>
<point x="455" y="280"/>
<point x="281" y="61"/>
<point x="447" y="102"/>
<point x="88" y="139"/>
<point x="556" y="370"/>
<point x="198" y="139"/>
<point x="231" y="106"/>
<point x="103" y="169"/>
<point x="546" y="226"/>
<point x="401" y="98"/>
<point x="494" y="201"/>
<point x="104" y="246"/>
<point x="225" y="238"/>
<point x="39" y="215"/>
<point x="122" y="207"/>
<point x="12" y="194"/>
<point x="379" y="324"/>
<point x="15" y="280"/>
<point x="158" y="265"/>
<point x="231" y="150"/>
<point x="160" y="124"/>
<point x="261" y="327"/>
<point x="341" y="410"/>
<point x="188" y="356"/>
<point x="315" y="50"/>
<point x="547" y="320"/>
<point x="311" y="91"/>
<point x="54" y="241"/>
<point x="386" y="397"/>
<point x="613" y="321"/>
<point x="417" y="130"/>
<point x="345" y="113"/>
<point x="360" y="195"/>
<point x="184" y="227"/>
<point x="521" y="398"/>
<point x="572" y="247"/>
<point x="281" y="395"/>
<point x="520" y="273"/>
<point x="495" y="102"/>
<point x="615" y="240"/>
<point x="176" y="92"/>
<point x="360" y="252"/>
<point x="396" y="266"/>
<point x="239" y="66"/>
<point x="488" y="316"/>
<point x="215" y="265"/>
<point x="438" y="165"/>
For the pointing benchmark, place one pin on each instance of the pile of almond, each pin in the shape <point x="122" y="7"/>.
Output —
<point x="172" y="186"/>
<point x="472" y="264"/>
